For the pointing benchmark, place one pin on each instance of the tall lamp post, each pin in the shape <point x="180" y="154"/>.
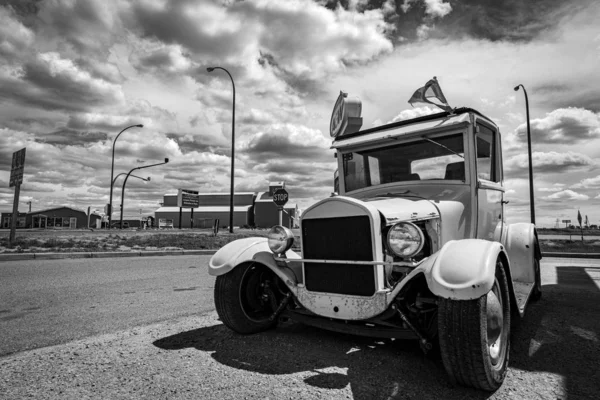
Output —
<point x="531" y="201"/>
<point x="211" y="69"/>
<point x="112" y="170"/>
<point x="125" y="182"/>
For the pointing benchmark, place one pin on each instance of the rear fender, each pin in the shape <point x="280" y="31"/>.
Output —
<point x="465" y="269"/>
<point x="254" y="249"/>
<point x="522" y="248"/>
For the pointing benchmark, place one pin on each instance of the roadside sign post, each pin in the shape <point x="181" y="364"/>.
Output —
<point x="187" y="199"/>
<point x="16" y="179"/>
<point x="280" y="198"/>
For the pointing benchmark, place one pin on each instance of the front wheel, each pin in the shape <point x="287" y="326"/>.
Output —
<point x="245" y="298"/>
<point x="474" y="336"/>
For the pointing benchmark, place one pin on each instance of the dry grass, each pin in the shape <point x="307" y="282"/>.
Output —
<point x="128" y="240"/>
<point x="93" y="241"/>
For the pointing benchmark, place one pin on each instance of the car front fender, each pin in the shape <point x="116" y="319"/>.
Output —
<point x="253" y="249"/>
<point x="464" y="269"/>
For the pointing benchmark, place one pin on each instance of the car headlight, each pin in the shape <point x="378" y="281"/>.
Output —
<point x="280" y="239"/>
<point x="405" y="239"/>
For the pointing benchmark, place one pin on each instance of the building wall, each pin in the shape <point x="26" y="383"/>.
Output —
<point x="266" y="214"/>
<point x="63" y="213"/>
<point x="214" y="199"/>
<point x="206" y="219"/>
<point x="6" y="218"/>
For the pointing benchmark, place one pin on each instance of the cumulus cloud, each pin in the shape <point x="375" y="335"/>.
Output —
<point x="286" y="141"/>
<point x="322" y="42"/>
<point x="52" y="82"/>
<point x="411" y="113"/>
<point x="557" y="187"/>
<point x="588" y="183"/>
<point x="563" y="126"/>
<point x="433" y="8"/>
<point x="163" y="59"/>
<point x="551" y="162"/>
<point x="566" y="195"/>
<point x="14" y="36"/>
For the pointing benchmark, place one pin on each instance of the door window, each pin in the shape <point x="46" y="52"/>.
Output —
<point x="485" y="144"/>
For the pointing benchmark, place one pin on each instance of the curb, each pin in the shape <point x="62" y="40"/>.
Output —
<point x="114" y="254"/>
<point x="155" y="253"/>
<point x="571" y="255"/>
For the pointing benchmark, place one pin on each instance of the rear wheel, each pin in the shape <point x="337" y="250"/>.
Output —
<point x="474" y="336"/>
<point x="245" y="298"/>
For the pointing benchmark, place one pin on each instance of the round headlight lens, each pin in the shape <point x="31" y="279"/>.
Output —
<point x="405" y="239"/>
<point x="280" y="239"/>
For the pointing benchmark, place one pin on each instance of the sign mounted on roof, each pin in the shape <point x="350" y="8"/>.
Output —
<point x="188" y="198"/>
<point x="345" y="117"/>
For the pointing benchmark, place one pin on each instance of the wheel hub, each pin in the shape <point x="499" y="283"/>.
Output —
<point x="495" y="323"/>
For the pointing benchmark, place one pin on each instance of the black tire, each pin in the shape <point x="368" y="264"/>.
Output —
<point x="536" y="294"/>
<point x="244" y="299"/>
<point x="467" y="355"/>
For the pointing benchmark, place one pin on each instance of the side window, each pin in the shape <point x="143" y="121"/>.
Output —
<point x="486" y="153"/>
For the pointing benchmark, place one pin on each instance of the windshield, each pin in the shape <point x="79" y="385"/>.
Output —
<point x="426" y="158"/>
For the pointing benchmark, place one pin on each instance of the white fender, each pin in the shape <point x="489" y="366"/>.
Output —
<point x="464" y="269"/>
<point x="251" y="249"/>
<point x="520" y="246"/>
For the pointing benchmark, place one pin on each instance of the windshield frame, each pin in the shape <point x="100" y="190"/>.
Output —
<point x="413" y="137"/>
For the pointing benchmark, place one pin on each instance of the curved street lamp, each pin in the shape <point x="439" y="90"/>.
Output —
<point x="125" y="182"/>
<point x="211" y="69"/>
<point x="112" y="169"/>
<point x="531" y="201"/>
<point x="134" y="176"/>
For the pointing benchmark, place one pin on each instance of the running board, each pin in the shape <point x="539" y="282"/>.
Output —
<point x="522" y="292"/>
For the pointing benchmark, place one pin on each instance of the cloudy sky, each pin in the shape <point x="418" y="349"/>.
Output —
<point x="74" y="73"/>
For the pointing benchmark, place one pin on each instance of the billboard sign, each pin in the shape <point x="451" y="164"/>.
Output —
<point x="16" y="170"/>
<point x="188" y="198"/>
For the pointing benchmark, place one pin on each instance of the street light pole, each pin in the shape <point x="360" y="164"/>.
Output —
<point x="112" y="170"/>
<point x="211" y="69"/>
<point x="531" y="201"/>
<point x="125" y="182"/>
<point x="133" y="176"/>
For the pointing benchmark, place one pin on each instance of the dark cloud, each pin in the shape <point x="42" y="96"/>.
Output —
<point x="510" y="20"/>
<point x="54" y="83"/>
<point x="69" y="137"/>
<point x="287" y="142"/>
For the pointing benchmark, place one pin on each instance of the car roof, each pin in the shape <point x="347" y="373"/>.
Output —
<point x="401" y="128"/>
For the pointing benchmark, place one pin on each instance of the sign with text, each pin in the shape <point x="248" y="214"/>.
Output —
<point x="345" y="117"/>
<point x="16" y="170"/>
<point x="280" y="197"/>
<point x="188" y="198"/>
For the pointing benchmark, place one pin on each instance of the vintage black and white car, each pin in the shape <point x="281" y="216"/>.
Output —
<point x="414" y="245"/>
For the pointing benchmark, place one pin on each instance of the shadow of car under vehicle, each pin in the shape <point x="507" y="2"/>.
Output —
<point x="561" y="333"/>
<point x="374" y="368"/>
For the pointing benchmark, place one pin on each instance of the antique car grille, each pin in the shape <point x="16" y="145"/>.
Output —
<point x="346" y="238"/>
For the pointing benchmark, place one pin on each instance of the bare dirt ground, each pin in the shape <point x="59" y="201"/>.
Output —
<point x="554" y="355"/>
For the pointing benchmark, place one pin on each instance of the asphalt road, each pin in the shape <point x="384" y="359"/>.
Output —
<point x="47" y="302"/>
<point x="188" y="353"/>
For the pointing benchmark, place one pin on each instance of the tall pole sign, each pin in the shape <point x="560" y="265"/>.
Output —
<point x="16" y="179"/>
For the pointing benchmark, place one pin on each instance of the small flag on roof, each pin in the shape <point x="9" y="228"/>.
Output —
<point x="431" y="90"/>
